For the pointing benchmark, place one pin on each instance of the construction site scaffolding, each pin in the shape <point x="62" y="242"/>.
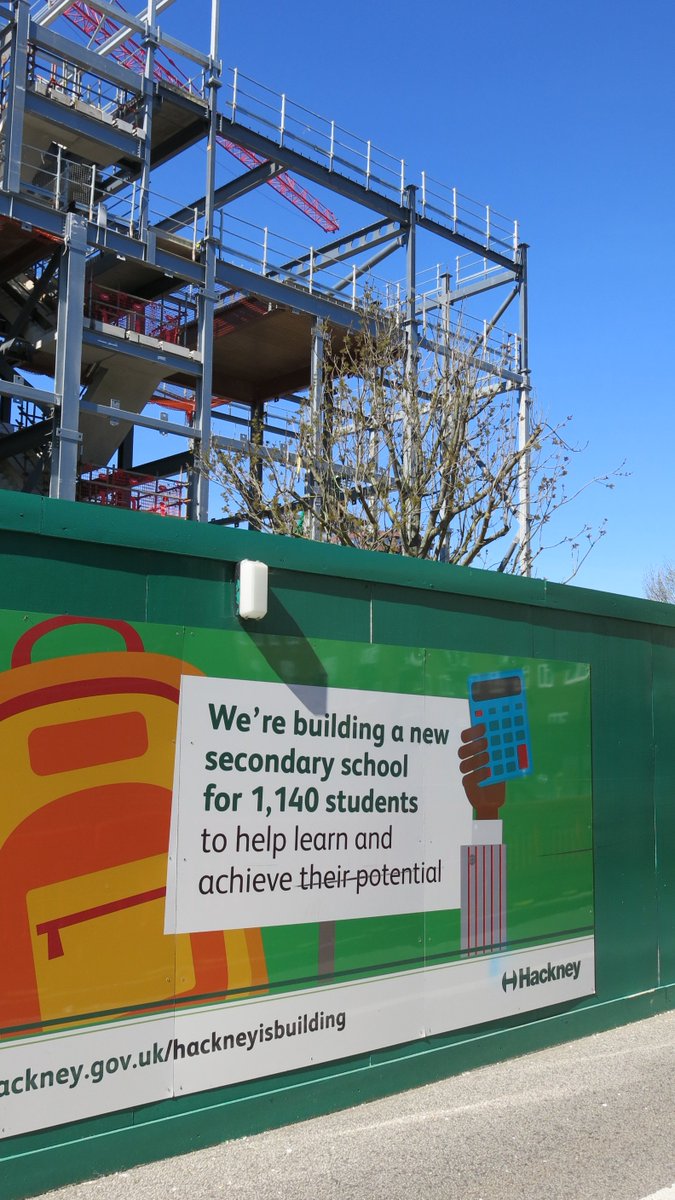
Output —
<point x="114" y="299"/>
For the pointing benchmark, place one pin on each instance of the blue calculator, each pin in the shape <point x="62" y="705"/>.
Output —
<point x="498" y="702"/>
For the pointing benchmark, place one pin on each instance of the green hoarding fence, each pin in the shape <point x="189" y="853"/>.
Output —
<point x="165" y="762"/>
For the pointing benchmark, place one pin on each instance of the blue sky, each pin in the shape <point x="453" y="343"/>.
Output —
<point x="561" y="116"/>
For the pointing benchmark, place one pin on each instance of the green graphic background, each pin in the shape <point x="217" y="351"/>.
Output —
<point x="547" y="816"/>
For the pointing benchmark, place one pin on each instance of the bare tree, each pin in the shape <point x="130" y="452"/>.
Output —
<point x="660" y="584"/>
<point x="416" y="455"/>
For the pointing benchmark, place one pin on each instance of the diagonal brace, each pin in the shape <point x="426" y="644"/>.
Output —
<point x="223" y="195"/>
<point x="342" y="248"/>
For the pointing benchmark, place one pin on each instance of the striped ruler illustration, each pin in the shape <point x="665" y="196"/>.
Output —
<point x="483" y="892"/>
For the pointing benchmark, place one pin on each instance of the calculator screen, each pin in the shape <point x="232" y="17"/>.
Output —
<point x="495" y="689"/>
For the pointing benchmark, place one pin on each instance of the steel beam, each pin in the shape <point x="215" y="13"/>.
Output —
<point x="223" y="195"/>
<point x="23" y="391"/>
<point x="267" y="148"/>
<point x="467" y="243"/>
<point x="489" y="325"/>
<point x="123" y="34"/>
<point x="125" y="451"/>
<point x="480" y="364"/>
<point x="342" y="248"/>
<point x="73" y="52"/>
<point x="49" y="14"/>
<point x="54" y="9"/>
<point x="175" y="44"/>
<point x="23" y="317"/>
<point x="239" y="279"/>
<point x="168" y="465"/>
<point x="126" y="145"/>
<point x="123" y="414"/>
<point x="176" y="364"/>
<point x="67" y="438"/>
<point x="502" y="308"/>
<point x="456" y="295"/>
<point x="231" y="419"/>
<point x="241" y="446"/>
<point x="371" y="262"/>
<point x="14" y="444"/>
<point x="344" y="186"/>
<point x="51" y="11"/>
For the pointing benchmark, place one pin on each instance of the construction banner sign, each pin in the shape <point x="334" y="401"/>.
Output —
<point x="218" y="863"/>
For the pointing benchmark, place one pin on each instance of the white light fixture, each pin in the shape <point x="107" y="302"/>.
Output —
<point x="251" y="590"/>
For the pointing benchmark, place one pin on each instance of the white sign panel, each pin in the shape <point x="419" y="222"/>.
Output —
<point x="307" y="803"/>
<point x="63" y="1077"/>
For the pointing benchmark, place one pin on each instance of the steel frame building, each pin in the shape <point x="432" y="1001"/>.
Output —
<point x="114" y="301"/>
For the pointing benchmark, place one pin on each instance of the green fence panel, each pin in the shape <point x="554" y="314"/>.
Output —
<point x="600" y="680"/>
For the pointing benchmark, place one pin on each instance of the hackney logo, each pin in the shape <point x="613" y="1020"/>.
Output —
<point x="527" y="977"/>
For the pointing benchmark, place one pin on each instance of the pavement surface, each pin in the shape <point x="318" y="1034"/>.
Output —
<point x="590" y="1120"/>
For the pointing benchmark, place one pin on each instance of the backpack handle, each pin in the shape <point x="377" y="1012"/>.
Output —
<point x="21" y="655"/>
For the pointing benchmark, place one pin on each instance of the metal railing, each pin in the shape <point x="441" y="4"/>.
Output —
<point x="59" y="79"/>
<point x="289" y="124"/>
<point x="165" y="320"/>
<point x="459" y="213"/>
<point x="479" y="339"/>
<point x="275" y="116"/>
<point x="61" y="180"/>
<point x="98" y="28"/>
<point x="115" y="488"/>
<point x="471" y="268"/>
<point x="261" y="250"/>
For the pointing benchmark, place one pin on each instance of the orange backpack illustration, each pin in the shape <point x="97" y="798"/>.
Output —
<point x="88" y="745"/>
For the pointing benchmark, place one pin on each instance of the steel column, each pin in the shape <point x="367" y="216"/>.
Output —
<point x="199" y="481"/>
<point x="17" y="97"/>
<point x="148" y="98"/>
<point x="316" y="418"/>
<point x="411" y="348"/>
<point x="256" y="461"/>
<point x="524" y="407"/>
<point x="67" y="438"/>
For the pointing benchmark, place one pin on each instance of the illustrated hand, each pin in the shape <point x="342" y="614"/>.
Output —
<point x="474" y="765"/>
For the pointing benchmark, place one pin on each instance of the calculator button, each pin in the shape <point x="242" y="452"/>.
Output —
<point x="518" y="720"/>
<point x="493" y="725"/>
<point x="506" y="723"/>
<point x="499" y="770"/>
<point x="508" y="737"/>
<point x="497" y="754"/>
<point x="523" y="758"/>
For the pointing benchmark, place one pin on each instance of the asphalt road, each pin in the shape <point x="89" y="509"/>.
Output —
<point x="591" y="1120"/>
